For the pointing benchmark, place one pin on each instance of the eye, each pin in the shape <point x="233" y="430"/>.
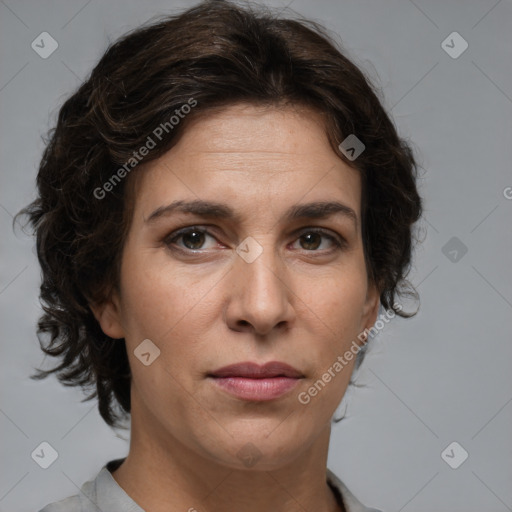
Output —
<point x="192" y="237"/>
<point x="312" y="239"/>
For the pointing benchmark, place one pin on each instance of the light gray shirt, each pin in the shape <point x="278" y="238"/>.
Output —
<point x="104" y="494"/>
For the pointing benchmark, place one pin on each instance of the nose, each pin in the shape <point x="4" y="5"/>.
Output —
<point x="260" y="298"/>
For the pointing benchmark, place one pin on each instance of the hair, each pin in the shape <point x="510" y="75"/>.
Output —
<point x="210" y="56"/>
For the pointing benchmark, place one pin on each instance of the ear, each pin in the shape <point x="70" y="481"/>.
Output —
<point x="108" y="316"/>
<point x="371" y="307"/>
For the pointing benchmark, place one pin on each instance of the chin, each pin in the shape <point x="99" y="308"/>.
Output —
<point x="257" y="452"/>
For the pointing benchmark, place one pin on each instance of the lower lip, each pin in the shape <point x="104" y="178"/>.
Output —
<point x="256" y="389"/>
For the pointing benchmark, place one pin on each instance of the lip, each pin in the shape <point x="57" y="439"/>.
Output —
<point x="250" y="381"/>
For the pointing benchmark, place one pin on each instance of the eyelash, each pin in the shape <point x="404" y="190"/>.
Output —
<point x="339" y="244"/>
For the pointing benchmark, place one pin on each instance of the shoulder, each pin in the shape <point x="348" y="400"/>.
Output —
<point x="102" y="493"/>
<point x="70" y="504"/>
<point x="351" y="503"/>
<point x="83" y="502"/>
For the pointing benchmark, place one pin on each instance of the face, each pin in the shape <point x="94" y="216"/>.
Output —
<point x="259" y="285"/>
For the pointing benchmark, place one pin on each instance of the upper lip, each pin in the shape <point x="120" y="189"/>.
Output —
<point x="252" y="370"/>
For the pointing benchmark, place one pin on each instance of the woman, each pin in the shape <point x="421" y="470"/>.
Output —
<point x="223" y="208"/>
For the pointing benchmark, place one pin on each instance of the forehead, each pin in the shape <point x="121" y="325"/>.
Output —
<point x="266" y="131"/>
<point x="253" y="157"/>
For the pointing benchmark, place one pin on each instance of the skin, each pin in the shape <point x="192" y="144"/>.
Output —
<point x="303" y="301"/>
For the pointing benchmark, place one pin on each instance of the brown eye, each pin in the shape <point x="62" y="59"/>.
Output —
<point x="311" y="240"/>
<point x="193" y="238"/>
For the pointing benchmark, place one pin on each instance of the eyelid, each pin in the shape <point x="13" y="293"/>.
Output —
<point x="335" y="237"/>
<point x="176" y="234"/>
<point x="338" y="240"/>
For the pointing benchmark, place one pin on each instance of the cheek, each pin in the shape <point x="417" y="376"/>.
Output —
<point x="172" y="309"/>
<point x="157" y="296"/>
<point x="338" y="299"/>
<point x="339" y="305"/>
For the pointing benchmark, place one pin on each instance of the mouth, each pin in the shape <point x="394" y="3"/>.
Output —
<point x="250" y="381"/>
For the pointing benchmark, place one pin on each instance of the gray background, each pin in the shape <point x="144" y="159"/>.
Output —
<point x="443" y="376"/>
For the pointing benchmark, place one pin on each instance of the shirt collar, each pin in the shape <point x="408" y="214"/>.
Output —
<point x="109" y="496"/>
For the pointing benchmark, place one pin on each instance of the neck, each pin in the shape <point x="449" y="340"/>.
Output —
<point x="161" y="473"/>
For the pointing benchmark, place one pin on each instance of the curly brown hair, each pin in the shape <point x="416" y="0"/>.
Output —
<point x="217" y="54"/>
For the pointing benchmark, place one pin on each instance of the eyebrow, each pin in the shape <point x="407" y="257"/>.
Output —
<point x="213" y="209"/>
